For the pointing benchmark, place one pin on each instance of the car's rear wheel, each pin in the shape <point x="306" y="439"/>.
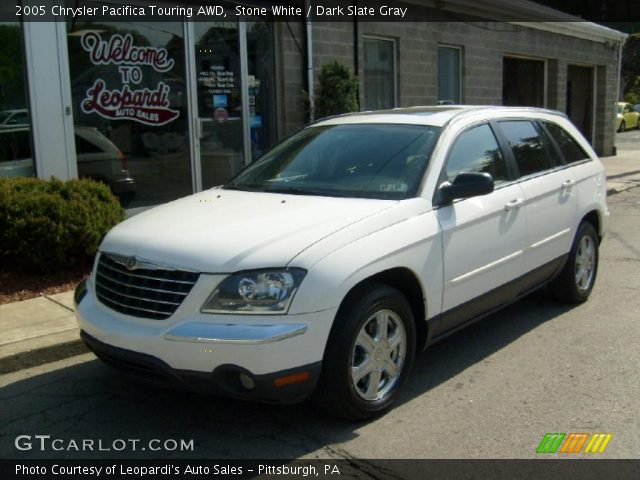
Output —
<point x="575" y="282"/>
<point x="623" y="126"/>
<point x="369" y="354"/>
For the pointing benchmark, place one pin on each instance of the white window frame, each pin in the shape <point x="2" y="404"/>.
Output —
<point x="394" y="41"/>
<point x="460" y="70"/>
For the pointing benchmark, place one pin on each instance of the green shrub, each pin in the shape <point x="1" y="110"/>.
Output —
<point x="632" y="98"/>
<point x="48" y="225"/>
<point x="337" y="91"/>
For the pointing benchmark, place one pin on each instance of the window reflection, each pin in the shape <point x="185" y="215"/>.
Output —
<point x="527" y="146"/>
<point x="476" y="150"/>
<point x="16" y="157"/>
<point x="130" y="108"/>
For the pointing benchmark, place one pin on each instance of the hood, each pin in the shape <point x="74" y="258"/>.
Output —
<point x="224" y="231"/>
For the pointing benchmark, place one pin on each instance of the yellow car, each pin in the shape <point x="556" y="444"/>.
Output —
<point x="626" y="117"/>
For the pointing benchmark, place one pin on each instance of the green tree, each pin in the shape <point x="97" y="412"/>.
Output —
<point x="337" y="91"/>
<point x="630" y="72"/>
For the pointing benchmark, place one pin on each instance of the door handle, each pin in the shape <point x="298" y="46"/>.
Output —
<point x="567" y="184"/>
<point x="515" y="203"/>
<point x="200" y="129"/>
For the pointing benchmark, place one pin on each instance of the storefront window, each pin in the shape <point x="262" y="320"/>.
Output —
<point x="129" y="94"/>
<point x="16" y="157"/>
<point x="131" y="89"/>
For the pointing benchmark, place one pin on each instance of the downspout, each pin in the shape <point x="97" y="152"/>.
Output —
<point x="620" y="45"/>
<point x="356" y="62"/>
<point x="309" y="60"/>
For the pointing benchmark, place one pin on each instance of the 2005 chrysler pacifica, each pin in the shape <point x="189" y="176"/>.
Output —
<point x="323" y="267"/>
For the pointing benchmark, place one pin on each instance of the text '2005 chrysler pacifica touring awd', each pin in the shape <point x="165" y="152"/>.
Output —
<point x="323" y="267"/>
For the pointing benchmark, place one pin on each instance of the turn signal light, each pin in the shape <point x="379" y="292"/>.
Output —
<point x="289" y="379"/>
<point x="124" y="160"/>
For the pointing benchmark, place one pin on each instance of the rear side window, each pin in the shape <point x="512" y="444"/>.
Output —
<point x="571" y="149"/>
<point x="476" y="150"/>
<point x="84" y="146"/>
<point x="527" y="146"/>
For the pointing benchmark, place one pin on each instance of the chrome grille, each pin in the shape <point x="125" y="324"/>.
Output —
<point x="143" y="292"/>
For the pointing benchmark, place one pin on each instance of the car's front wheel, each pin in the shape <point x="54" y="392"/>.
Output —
<point x="576" y="280"/>
<point x="623" y="127"/>
<point x="369" y="354"/>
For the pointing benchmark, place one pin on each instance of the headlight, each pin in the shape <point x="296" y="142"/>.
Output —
<point x="258" y="291"/>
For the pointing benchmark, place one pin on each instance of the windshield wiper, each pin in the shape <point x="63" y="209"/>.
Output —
<point x="244" y="188"/>
<point x="292" y="191"/>
<point x="309" y="191"/>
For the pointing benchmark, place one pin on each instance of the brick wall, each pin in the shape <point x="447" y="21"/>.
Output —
<point x="484" y="46"/>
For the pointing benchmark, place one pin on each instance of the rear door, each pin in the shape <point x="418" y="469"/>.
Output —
<point x="549" y="188"/>
<point x="483" y="236"/>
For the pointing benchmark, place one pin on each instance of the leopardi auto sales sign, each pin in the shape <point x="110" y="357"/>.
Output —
<point x="128" y="102"/>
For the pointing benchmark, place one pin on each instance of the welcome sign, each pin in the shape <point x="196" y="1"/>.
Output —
<point x="143" y="105"/>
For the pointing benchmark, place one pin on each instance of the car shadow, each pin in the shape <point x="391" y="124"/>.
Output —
<point x="89" y="400"/>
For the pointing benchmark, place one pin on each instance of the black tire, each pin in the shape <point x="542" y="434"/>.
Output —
<point x="336" y="392"/>
<point x="566" y="287"/>
<point x="623" y="127"/>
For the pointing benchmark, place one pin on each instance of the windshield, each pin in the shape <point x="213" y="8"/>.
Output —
<point x="383" y="161"/>
<point x="620" y="108"/>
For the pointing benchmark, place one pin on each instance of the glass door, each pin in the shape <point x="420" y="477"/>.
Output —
<point x="233" y="96"/>
<point x="220" y="107"/>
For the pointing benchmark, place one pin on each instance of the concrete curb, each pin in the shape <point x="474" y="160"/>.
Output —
<point x="40" y="356"/>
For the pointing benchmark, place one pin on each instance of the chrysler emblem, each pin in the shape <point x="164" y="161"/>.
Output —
<point x="131" y="263"/>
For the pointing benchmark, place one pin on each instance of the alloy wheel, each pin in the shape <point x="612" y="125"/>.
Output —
<point x="378" y="355"/>
<point x="585" y="263"/>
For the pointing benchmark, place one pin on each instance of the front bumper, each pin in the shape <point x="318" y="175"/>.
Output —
<point x="268" y="358"/>
<point x="287" y="386"/>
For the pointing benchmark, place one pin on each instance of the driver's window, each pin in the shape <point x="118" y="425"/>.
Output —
<point x="627" y="109"/>
<point x="476" y="150"/>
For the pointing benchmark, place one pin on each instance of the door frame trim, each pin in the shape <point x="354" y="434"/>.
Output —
<point x="192" y="106"/>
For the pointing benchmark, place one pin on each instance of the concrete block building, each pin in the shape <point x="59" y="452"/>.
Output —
<point x="185" y="104"/>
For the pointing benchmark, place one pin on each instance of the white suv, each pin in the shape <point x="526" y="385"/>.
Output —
<point x="323" y="267"/>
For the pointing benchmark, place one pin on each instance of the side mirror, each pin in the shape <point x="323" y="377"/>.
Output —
<point x="466" y="185"/>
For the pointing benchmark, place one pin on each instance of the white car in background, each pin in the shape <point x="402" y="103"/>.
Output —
<point x="14" y="118"/>
<point x="322" y="268"/>
<point x="97" y="156"/>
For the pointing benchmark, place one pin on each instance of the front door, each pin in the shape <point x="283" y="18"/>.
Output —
<point x="234" y="97"/>
<point x="220" y="109"/>
<point x="484" y="236"/>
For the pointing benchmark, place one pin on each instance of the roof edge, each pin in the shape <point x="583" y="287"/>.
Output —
<point x="585" y="30"/>
<point x="541" y="17"/>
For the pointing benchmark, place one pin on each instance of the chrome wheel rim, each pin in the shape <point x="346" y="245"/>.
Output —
<point x="378" y="355"/>
<point x="585" y="263"/>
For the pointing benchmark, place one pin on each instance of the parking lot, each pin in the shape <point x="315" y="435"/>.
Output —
<point x="490" y="391"/>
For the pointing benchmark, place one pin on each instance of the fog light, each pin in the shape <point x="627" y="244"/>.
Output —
<point x="247" y="382"/>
